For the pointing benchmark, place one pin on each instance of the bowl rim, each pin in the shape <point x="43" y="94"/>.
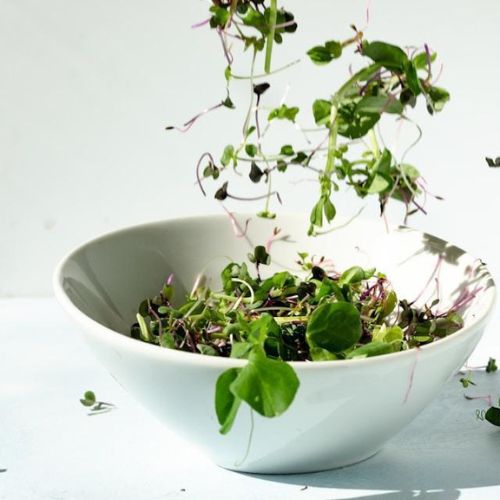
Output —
<point x="111" y="336"/>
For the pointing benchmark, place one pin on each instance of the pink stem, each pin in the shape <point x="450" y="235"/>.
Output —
<point x="238" y="230"/>
<point x="201" y="23"/>
<point x="412" y="375"/>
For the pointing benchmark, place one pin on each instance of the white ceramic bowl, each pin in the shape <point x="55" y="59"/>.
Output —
<point x="344" y="411"/>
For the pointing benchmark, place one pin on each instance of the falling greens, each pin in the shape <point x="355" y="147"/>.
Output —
<point x="320" y="315"/>
<point x="390" y="81"/>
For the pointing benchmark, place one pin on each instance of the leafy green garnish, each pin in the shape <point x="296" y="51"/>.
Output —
<point x="88" y="399"/>
<point x="491" y="366"/>
<point x="96" y="407"/>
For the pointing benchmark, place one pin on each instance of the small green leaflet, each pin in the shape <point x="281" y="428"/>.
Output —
<point x="227" y="155"/>
<point x="283" y="113"/>
<point x="420" y="60"/>
<point x="251" y="150"/>
<point x="323" y="54"/>
<point x="491" y="366"/>
<point x="88" y="399"/>
<point x="438" y="98"/>
<point x="321" y="111"/>
<point x="374" y="348"/>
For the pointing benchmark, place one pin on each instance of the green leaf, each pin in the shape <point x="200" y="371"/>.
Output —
<point x="262" y="327"/>
<point x="334" y="327"/>
<point x="240" y="349"/>
<point x="284" y="113"/>
<point x="89" y="399"/>
<point x="491" y="366"/>
<point x="439" y="97"/>
<point x="319" y="354"/>
<point x="410" y="171"/>
<point x="250" y="131"/>
<point x="412" y="81"/>
<point x="380" y="174"/>
<point x="267" y="385"/>
<point x="389" y="304"/>
<point x="335" y="48"/>
<point x="420" y="60"/>
<point x="390" y="56"/>
<point x="227" y="155"/>
<point x="351" y="86"/>
<point x="221" y="193"/>
<point x="144" y="328"/>
<point x="226" y="403"/>
<point x="251" y="150"/>
<point x="255" y="173"/>
<point x="166" y="340"/>
<point x="375" y="348"/>
<point x="492" y="415"/>
<point x="233" y="270"/>
<point x="287" y="150"/>
<point x="383" y="164"/>
<point x="379" y="104"/>
<point x="219" y="17"/>
<point x="281" y="165"/>
<point x="321" y="111"/>
<point x="208" y="350"/>
<point x="355" y="124"/>
<point x="388" y="334"/>
<point x="228" y="103"/>
<point x="316" y="217"/>
<point x="323" y="54"/>
<point x="352" y="275"/>
<point x="259" y="256"/>
<point x="379" y="184"/>
<point x="449" y="324"/>
<point x="255" y="19"/>
<point x="300" y="158"/>
<point x="329" y="209"/>
<point x="329" y="288"/>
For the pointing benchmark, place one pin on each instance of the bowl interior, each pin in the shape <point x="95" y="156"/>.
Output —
<point x="108" y="277"/>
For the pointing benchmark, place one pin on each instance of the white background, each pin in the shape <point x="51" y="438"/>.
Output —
<point x="87" y="88"/>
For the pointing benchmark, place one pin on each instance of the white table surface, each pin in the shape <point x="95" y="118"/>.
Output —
<point x="53" y="450"/>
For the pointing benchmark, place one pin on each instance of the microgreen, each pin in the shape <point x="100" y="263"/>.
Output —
<point x="391" y="81"/>
<point x="316" y="316"/>
<point x="466" y="381"/>
<point x="492" y="415"/>
<point x="491" y="366"/>
<point x="97" y="407"/>
<point x="493" y="162"/>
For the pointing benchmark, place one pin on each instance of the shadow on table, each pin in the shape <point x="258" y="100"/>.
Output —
<point x="443" y="450"/>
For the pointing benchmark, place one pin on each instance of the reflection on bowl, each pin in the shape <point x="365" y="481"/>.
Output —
<point x="344" y="411"/>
